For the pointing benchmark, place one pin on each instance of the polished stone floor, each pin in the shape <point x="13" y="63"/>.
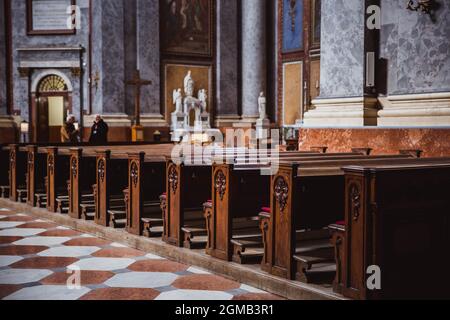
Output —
<point x="40" y="260"/>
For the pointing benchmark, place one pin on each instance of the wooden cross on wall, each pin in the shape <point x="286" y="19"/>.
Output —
<point x="138" y="83"/>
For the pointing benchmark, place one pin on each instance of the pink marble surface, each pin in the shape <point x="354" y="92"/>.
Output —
<point x="433" y="142"/>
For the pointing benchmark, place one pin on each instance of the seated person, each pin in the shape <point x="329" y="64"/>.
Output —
<point x="69" y="134"/>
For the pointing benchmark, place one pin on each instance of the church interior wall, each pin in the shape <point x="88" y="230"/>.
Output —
<point x="20" y="40"/>
<point x="415" y="48"/>
<point x="3" y="76"/>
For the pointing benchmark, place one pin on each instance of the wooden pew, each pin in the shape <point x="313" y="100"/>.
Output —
<point x="112" y="178"/>
<point x="58" y="170"/>
<point x="17" y="176"/>
<point x="4" y="178"/>
<point x="307" y="196"/>
<point x="81" y="184"/>
<point x="240" y="193"/>
<point x="36" y="174"/>
<point x="81" y="201"/>
<point x="145" y="186"/>
<point x="397" y="217"/>
<point x="113" y="183"/>
<point x="188" y="188"/>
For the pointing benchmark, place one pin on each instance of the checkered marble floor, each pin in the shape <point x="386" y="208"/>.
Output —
<point x="40" y="260"/>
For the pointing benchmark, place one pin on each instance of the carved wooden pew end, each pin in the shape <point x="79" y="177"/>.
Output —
<point x="41" y="200"/>
<point x="152" y="227"/>
<point x="22" y="195"/>
<point x="316" y="266"/>
<point x="247" y="242"/>
<point x="337" y="231"/>
<point x="195" y="234"/>
<point x="152" y="221"/>
<point x="117" y="218"/>
<point x="207" y="213"/>
<point x="4" y="191"/>
<point x="87" y="211"/>
<point x="194" y="238"/>
<point x="247" y="250"/>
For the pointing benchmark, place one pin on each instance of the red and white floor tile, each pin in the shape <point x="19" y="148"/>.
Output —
<point x="40" y="260"/>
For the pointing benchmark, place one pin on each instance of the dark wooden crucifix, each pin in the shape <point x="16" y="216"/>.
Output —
<point x="138" y="83"/>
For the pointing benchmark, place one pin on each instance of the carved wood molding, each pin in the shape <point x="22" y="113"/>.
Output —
<point x="30" y="160"/>
<point x="51" y="163"/>
<point x="74" y="166"/>
<point x="134" y="173"/>
<point x="355" y="198"/>
<point x="101" y="169"/>
<point x="220" y="183"/>
<point x="281" y="191"/>
<point x="12" y="159"/>
<point x="173" y="178"/>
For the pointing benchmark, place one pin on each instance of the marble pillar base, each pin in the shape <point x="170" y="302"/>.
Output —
<point x="342" y="112"/>
<point x="418" y="110"/>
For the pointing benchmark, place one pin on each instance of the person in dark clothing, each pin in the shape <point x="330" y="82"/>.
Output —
<point x="99" y="131"/>
<point x="69" y="134"/>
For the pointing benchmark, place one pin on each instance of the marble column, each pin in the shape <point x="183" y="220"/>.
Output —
<point x="415" y="50"/>
<point x="342" y="100"/>
<point x="149" y="60"/>
<point x="254" y="69"/>
<point x="3" y="76"/>
<point x="227" y="53"/>
<point x="130" y="56"/>
<point x="108" y="56"/>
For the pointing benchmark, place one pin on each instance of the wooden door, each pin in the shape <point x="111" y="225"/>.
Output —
<point x="42" y="120"/>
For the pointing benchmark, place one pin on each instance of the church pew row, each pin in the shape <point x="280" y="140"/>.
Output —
<point x="188" y="187"/>
<point x="308" y="196"/>
<point x="19" y="161"/>
<point x="94" y="192"/>
<point x="145" y="202"/>
<point x="397" y="218"/>
<point x="240" y="193"/>
<point x="4" y="178"/>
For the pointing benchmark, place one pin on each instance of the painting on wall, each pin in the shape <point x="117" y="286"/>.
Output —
<point x="186" y="26"/>
<point x="292" y="92"/>
<point x="292" y="25"/>
<point x="316" y="15"/>
<point x="174" y="75"/>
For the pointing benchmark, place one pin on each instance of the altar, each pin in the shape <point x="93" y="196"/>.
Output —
<point x="191" y="121"/>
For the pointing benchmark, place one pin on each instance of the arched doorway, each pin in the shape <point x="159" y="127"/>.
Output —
<point x="51" y="107"/>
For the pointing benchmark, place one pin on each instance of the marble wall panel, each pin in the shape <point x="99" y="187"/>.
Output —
<point x="342" y="48"/>
<point x="416" y="48"/>
<point x="3" y="76"/>
<point x="227" y="57"/>
<point x="22" y="40"/>
<point x="433" y="142"/>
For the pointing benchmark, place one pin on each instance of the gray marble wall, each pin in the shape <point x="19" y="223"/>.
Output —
<point x="149" y="65"/>
<point x="417" y="49"/>
<point x="22" y="40"/>
<point x="108" y="56"/>
<point x="3" y="77"/>
<point x="227" y="57"/>
<point x="342" y="48"/>
<point x="126" y="33"/>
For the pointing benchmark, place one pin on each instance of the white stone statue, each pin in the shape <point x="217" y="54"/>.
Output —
<point x="189" y="85"/>
<point x="262" y="106"/>
<point x="178" y="100"/>
<point x="203" y="98"/>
